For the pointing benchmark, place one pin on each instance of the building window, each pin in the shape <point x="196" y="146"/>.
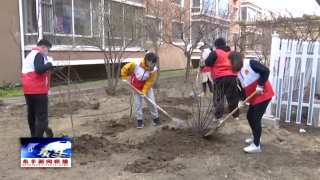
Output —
<point x="196" y="6"/>
<point x="177" y="32"/>
<point x="223" y="32"/>
<point x="81" y="22"/>
<point x="235" y="14"/>
<point x="235" y="40"/>
<point x="153" y="29"/>
<point x="122" y="24"/>
<point x="82" y="17"/>
<point x="196" y="28"/>
<point x="209" y="7"/>
<point x="223" y="9"/>
<point x="252" y="15"/>
<point x="244" y="13"/>
<point x="30" y="21"/>
<point x="178" y="2"/>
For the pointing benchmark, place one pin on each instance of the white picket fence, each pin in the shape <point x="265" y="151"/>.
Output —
<point x="295" y="78"/>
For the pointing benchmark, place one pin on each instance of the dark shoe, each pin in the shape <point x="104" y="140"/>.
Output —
<point x="140" y="124"/>
<point x="157" y="122"/>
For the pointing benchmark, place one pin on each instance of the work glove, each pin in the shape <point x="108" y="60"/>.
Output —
<point x="240" y="104"/>
<point x="259" y="89"/>
<point x="124" y="81"/>
<point x="143" y="95"/>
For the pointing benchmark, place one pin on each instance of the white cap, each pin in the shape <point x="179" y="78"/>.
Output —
<point x="200" y="44"/>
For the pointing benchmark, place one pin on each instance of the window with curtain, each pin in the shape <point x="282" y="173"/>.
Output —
<point x="62" y="17"/>
<point x="82" y="17"/>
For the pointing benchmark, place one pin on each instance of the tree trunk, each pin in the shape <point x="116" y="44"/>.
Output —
<point x="188" y="69"/>
<point x="156" y="51"/>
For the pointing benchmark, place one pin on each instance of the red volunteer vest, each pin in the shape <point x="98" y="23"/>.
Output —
<point x="205" y="69"/>
<point x="222" y="65"/>
<point x="249" y="82"/>
<point x="140" y="75"/>
<point x="32" y="82"/>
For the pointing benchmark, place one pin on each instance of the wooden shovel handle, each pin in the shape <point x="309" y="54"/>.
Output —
<point x="153" y="103"/>
<point x="244" y="102"/>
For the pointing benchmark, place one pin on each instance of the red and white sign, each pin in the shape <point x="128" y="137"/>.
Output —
<point x="45" y="162"/>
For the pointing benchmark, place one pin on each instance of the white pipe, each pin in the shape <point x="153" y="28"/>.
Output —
<point x="72" y="16"/>
<point x="22" y="47"/>
<point x="39" y="19"/>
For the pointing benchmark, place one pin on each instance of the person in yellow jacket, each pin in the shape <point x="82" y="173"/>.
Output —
<point x="143" y="73"/>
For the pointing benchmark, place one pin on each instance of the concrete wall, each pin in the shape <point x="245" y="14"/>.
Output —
<point x="10" y="55"/>
<point x="171" y="57"/>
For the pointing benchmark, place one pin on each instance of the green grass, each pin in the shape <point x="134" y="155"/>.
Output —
<point x="17" y="91"/>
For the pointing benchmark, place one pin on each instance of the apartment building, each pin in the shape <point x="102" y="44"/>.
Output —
<point x="256" y="35"/>
<point x="250" y="12"/>
<point x="80" y="34"/>
<point x="218" y="16"/>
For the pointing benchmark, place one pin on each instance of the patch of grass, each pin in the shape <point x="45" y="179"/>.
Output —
<point x="9" y="91"/>
<point x="14" y="93"/>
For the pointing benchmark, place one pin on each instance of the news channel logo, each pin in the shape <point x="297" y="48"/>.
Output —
<point x="46" y="152"/>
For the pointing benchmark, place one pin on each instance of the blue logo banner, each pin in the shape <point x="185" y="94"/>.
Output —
<point x="46" y="147"/>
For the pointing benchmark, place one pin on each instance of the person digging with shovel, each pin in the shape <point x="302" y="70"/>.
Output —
<point x="253" y="78"/>
<point x="35" y="84"/>
<point x="224" y="80"/>
<point x="143" y="74"/>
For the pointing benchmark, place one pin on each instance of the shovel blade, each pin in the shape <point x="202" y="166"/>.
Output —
<point x="49" y="132"/>
<point x="209" y="133"/>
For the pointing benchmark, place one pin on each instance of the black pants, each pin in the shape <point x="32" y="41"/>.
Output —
<point x="225" y="86"/>
<point x="254" y="116"/>
<point x="204" y="86"/>
<point x="37" y="113"/>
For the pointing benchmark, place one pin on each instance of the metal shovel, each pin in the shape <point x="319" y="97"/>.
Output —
<point x="173" y="119"/>
<point x="211" y="131"/>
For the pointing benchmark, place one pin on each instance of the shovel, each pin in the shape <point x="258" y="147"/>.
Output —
<point x="48" y="131"/>
<point x="211" y="131"/>
<point x="176" y="120"/>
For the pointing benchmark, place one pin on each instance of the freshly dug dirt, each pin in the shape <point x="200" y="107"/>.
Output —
<point x="60" y="109"/>
<point x="108" y="127"/>
<point x="175" y="101"/>
<point x="173" y="111"/>
<point x="160" y="150"/>
<point x="92" y="145"/>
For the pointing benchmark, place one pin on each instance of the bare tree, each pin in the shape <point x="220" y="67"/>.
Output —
<point x="256" y="36"/>
<point x="153" y="23"/>
<point x="117" y="27"/>
<point x="181" y="30"/>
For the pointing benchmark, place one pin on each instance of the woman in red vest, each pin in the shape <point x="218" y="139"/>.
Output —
<point x="205" y="70"/>
<point x="224" y="80"/>
<point x="254" y="78"/>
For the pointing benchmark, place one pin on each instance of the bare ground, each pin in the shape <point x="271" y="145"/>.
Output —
<point x="108" y="146"/>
